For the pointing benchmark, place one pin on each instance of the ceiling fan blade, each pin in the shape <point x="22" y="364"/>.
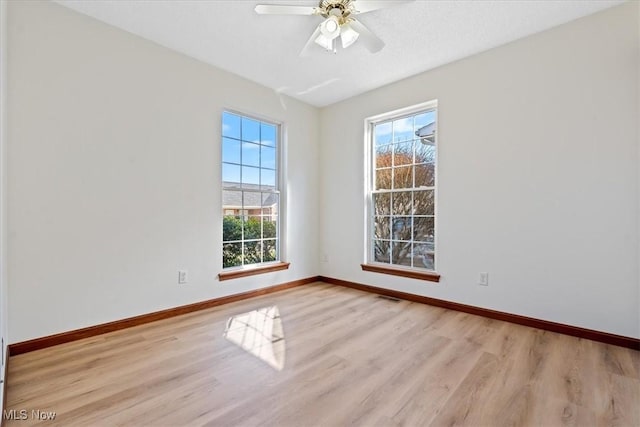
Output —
<point x="367" y="38"/>
<point x="364" y="6"/>
<point x="281" y="9"/>
<point x="305" y="50"/>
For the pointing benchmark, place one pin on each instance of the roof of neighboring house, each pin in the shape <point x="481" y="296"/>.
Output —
<point x="252" y="199"/>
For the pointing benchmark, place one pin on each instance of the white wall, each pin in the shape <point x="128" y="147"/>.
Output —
<point x="538" y="176"/>
<point x="638" y="152"/>
<point x="114" y="174"/>
<point x="3" y="235"/>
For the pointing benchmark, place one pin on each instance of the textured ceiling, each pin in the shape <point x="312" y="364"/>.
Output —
<point x="419" y="36"/>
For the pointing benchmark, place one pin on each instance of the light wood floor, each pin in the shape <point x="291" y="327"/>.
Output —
<point x="349" y="358"/>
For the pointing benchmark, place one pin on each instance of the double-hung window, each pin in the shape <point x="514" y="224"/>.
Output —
<point x="402" y="192"/>
<point x="250" y="191"/>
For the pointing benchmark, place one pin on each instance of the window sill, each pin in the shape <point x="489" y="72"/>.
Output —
<point x="235" y="274"/>
<point x="430" y="276"/>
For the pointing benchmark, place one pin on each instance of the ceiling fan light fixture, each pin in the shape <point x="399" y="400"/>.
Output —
<point x="325" y="42"/>
<point x="330" y="28"/>
<point x="348" y="35"/>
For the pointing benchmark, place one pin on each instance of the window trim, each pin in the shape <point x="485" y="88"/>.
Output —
<point x="369" y="264"/>
<point x="252" y="269"/>
<point x="378" y="267"/>
<point x="265" y="266"/>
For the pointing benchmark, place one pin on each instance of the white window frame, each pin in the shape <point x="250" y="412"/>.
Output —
<point x="279" y="168"/>
<point x="370" y="170"/>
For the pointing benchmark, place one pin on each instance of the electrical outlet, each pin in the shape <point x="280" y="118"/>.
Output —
<point x="484" y="279"/>
<point x="325" y="258"/>
<point x="183" y="276"/>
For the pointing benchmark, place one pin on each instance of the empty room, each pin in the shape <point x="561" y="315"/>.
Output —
<point x="320" y="213"/>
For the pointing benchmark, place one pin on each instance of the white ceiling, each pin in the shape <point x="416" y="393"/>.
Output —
<point x="419" y="36"/>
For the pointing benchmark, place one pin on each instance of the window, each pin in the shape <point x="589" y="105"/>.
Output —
<point x="250" y="196"/>
<point x="402" y="191"/>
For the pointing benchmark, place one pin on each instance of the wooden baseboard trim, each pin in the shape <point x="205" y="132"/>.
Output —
<point x="91" y="331"/>
<point x="604" y="337"/>
<point x="64" y="337"/>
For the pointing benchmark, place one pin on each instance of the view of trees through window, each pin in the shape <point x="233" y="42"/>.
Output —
<point x="403" y="191"/>
<point x="250" y="197"/>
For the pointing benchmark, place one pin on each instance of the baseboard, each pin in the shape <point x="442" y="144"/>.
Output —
<point x="604" y="337"/>
<point x="91" y="331"/>
<point x="64" y="337"/>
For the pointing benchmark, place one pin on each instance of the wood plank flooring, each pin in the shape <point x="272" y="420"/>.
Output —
<point x="348" y="357"/>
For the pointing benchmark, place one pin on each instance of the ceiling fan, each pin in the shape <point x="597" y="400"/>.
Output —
<point x="338" y="21"/>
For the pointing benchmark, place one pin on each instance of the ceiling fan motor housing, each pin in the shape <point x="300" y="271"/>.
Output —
<point x="340" y="8"/>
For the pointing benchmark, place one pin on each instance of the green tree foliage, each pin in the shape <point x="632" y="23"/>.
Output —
<point x="231" y="228"/>
<point x="256" y="250"/>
